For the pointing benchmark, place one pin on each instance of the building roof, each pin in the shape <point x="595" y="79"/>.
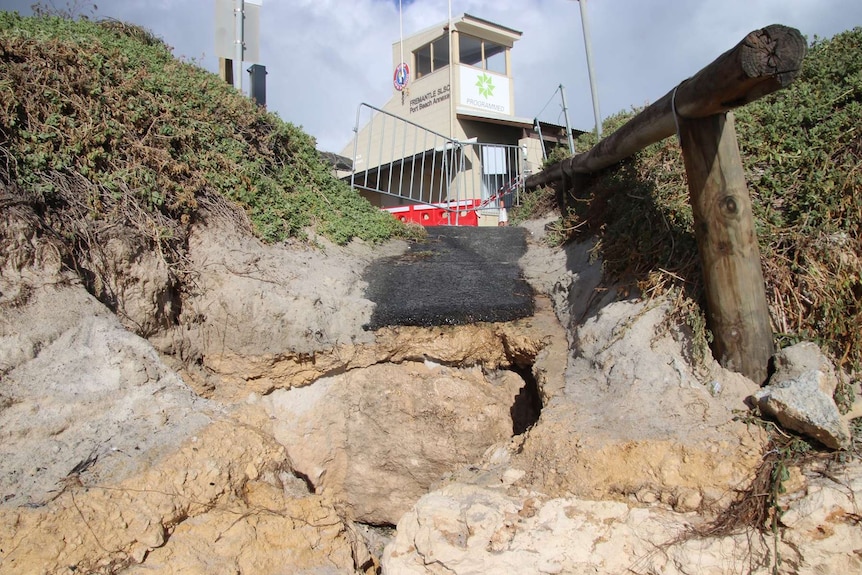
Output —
<point x="463" y="113"/>
<point x="468" y="18"/>
<point x="475" y="24"/>
<point x="335" y="160"/>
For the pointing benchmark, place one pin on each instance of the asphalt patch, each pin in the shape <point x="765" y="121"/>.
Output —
<point x="457" y="276"/>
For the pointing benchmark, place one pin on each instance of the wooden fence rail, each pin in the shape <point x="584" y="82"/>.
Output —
<point x="697" y="110"/>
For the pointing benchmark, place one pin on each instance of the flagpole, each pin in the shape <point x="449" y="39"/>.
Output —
<point x="238" y="14"/>
<point x="401" y="32"/>
<point x="455" y="153"/>
<point x="451" y="86"/>
<point x="589" y="49"/>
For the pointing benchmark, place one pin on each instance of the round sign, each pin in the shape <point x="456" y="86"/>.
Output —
<point x="401" y="76"/>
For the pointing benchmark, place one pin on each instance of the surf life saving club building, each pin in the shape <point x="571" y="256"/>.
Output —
<point x="447" y="148"/>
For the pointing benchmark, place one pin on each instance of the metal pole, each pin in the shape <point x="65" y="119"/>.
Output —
<point x="588" y="47"/>
<point x="355" y="148"/>
<point x="541" y="139"/>
<point x="451" y="85"/>
<point x="568" y="126"/>
<point x="238" y="14"/>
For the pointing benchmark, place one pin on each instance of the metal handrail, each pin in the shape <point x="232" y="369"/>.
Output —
<point x="403" y="159"/>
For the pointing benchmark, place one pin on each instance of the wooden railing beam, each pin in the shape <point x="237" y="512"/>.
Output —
<point x="764" y="61"/>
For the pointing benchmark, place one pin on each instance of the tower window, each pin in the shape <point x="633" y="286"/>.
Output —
<point x="482" y="54"/>
<point x="432" y="56"/>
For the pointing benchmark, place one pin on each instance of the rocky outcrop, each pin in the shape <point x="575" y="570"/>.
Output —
<point x="474" y="530"/>
<point x="491" y="526"/>
<point x="821" y="521"/>
<point x="491" y="346"/>
<point x="800" y="396"/>
<point x="290" y="423"/>
<point x="82" y="395"/>
<point x="263" y="318"/>
<point x="636" y="421"/>
<point x="221" y="504"/>
<point x="377" y="438"/>
<point x="624" y="471"/>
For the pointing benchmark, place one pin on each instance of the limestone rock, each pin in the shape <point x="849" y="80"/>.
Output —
<point x="490" y="345"/>
<point x="377" y="438"/>
<point x="796" y="360"/>
<point x="82" y="396"/>
<point x="217" y="505"/>
<point x="263" y="535"/>
<point x="800" y="396"/>
<point x="822" y="520"/>
<point x="636" y="418"/>
<point x="469" y="529"/>
<point x="800" y="404"/>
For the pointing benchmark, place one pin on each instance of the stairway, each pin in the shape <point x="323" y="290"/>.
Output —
<point x="456" y="276"/>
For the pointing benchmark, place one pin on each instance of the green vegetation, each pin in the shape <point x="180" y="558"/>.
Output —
<point x="557" y="154"/>
<point x="99" y="121"/>
<point x="802" y="150"/>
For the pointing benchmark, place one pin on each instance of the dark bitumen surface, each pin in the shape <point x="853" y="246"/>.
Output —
<point x="457" y="276"/>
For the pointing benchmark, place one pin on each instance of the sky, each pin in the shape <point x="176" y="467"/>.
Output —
<point x="325" y="57"/>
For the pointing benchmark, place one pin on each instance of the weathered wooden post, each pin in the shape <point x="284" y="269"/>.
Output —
<point x="698" y="109"/>
<point x="737" y="310"/>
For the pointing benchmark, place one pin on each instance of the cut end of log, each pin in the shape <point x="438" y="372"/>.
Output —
<point x="775" y="51"/>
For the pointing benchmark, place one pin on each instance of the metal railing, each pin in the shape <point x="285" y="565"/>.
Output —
<point x="396" y="157"/>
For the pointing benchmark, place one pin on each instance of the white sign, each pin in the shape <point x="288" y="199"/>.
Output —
<point x="484" y="90"/>
<point x="494" y="160"/>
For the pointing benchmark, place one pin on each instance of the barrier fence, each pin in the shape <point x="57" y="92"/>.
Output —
<point x="398" y="158"/>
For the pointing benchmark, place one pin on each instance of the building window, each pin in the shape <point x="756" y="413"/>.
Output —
<point x="432" y="56"/>
<point x="482" y="54"/>
<point x="495" y="58"/>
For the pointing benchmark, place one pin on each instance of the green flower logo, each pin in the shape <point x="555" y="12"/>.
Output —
<point x="485" y="85"/>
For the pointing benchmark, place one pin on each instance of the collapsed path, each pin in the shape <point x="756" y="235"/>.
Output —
<point x="457" y="276"/>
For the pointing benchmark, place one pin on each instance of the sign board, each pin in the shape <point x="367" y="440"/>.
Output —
<point x="430" y="98"/>
<point x="226" y="27"/>
<point x="494" y="160"/>
<point x="401" y="77"/>
<point x="484" y="90"/>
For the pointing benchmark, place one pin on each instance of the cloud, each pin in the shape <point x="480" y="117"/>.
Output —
<point x="324" y="57"/>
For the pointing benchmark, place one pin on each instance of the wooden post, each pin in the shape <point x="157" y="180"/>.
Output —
<point x="737" y="311"/>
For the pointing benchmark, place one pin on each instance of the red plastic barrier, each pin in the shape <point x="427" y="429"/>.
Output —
<point x="438" y="215"/>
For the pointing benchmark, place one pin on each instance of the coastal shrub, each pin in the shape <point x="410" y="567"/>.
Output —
<point x="107" y="106"/>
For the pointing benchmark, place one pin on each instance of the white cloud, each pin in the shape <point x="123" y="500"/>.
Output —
<point x="324" y="57"/>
